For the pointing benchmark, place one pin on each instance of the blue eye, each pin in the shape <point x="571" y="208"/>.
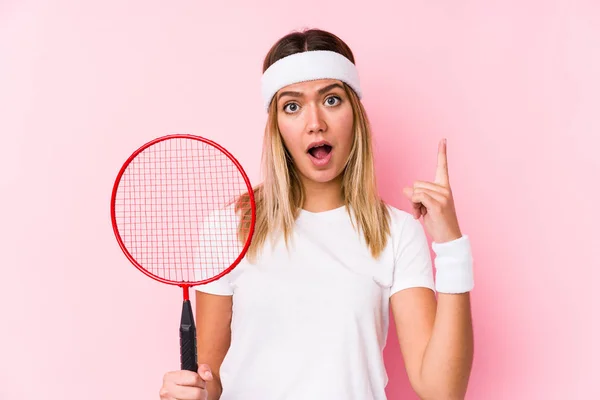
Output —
<point x="291" y="108"/>
<point x="332" y="103"/>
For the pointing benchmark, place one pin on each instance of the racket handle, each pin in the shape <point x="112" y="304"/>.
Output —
<point x="187" y="339"/>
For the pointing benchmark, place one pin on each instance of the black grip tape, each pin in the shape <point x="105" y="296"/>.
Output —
<point x="187" y="339"/>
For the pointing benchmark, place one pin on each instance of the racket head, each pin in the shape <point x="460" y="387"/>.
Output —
<point x="212" y="195"/>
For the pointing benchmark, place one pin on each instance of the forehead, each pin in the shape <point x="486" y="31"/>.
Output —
<point x="309" y="86"/>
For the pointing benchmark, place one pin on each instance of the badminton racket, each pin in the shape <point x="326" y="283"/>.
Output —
<point x="183" y="212"/>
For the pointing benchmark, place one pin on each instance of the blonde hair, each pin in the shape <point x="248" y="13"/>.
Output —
<point x="281" y="195"/>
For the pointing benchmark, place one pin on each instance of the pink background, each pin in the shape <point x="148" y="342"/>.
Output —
<point x="513" y="85"/>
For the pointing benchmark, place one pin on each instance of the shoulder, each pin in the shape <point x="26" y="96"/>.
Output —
<point x="402" y="221"/>
<point x="396" y="213"/>
<point x="405" y="230"/>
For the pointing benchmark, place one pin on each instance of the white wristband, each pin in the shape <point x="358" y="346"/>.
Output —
<point x="454" y="266"/>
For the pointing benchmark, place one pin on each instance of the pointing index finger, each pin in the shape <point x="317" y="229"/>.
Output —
<point x="441" y="173"/>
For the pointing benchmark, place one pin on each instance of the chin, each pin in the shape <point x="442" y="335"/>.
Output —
<point x="324" y="176"/>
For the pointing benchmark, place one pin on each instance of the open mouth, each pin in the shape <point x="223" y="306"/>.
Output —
<point x="320" y="151"/>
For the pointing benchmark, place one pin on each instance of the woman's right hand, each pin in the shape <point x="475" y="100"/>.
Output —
<point x="186" y="385"/>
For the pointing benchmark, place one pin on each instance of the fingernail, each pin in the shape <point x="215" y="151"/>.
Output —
<point x="208" y="375"/>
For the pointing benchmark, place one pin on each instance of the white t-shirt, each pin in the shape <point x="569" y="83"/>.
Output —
<point x="312" y="323"/>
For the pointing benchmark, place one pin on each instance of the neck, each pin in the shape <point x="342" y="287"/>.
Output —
<point x="322" y="196"/>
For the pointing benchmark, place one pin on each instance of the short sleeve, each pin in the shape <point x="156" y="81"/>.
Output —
<point x="413" y="266"/>
<point x="221" y="286"/>
<point x="209" y="253"/>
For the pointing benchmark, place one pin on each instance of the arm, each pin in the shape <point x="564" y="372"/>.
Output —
<point x="213" y="332"/>
<point x="436" y="339"/>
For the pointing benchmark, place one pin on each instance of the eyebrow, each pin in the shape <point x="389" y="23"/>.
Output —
<point x="320" y="91"/>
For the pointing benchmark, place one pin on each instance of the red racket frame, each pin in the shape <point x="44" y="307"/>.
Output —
<point x="187" y="285"/>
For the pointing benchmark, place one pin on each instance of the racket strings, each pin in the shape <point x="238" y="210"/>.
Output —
<point x="175" y="209"/>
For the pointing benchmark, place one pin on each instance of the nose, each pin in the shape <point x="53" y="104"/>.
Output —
<point x="315" y="123"/>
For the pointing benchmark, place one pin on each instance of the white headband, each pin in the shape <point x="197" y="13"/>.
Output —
<point x="308" y="66"/>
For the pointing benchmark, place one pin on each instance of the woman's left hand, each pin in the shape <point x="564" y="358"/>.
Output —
<point x="433" y="201"/>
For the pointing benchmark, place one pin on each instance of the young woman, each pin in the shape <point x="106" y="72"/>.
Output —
<point x="305" y="314"/>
